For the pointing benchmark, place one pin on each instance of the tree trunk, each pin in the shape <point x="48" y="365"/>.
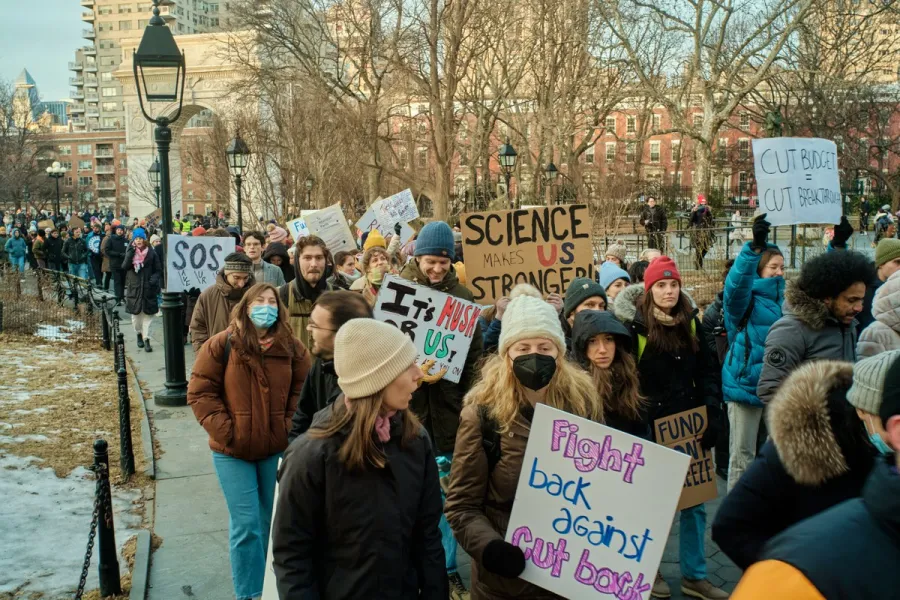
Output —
<point x="701" y="171"/>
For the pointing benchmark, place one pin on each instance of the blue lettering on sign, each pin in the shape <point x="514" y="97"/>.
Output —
<point x="606" y="534"/>
<point x="572" y="490"/>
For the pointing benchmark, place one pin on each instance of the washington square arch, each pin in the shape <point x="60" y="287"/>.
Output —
<point x="210" y="78"/>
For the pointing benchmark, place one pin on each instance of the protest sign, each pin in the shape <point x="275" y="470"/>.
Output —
<point x="547" y="247"/>
<point x="682" y="432"/>
<point x="46" y="224"/>
<point x="440" y="325"/>
<point x="297" y="228"/>
<point x="797" y="180"/>
<point x="76" y="223"/>
<point x="593" y="507"/>
<point x="399" y="208"/>
<point x="330" y="225"/>
<point x="192" y="262"/>
<point x="270" y="589"/>
<point x="383" y="220"/>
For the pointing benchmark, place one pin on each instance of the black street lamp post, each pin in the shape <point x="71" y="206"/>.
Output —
<point x="56" y="171"/>
<point x="550" y="175"/>
<point x="159" y="60"/>
<point x="507" y="157"/>
<point x="309" y="186"/>
<point x="238" y="154"/>
<point x="153" y="174"/>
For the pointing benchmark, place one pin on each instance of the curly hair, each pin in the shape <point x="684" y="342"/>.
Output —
<point x="829" y="274"/>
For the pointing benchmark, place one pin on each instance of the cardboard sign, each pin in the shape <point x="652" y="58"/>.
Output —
<point x="593" y="507"/>
<point x="193" y="262"/>
<point x="682" y="432"/>
<point x="46" y="224"/>
<point x="797" y="180"/>
<point x="440" y="325"/>
<point x="297" y="228"/>
<point x="547" y="247"/>
<point x="76" y="222"/>
<point x="330" y="225"/>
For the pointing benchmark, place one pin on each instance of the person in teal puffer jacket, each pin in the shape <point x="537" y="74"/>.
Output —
<point x="754" y="293"/>
<point x="16" y="249"/>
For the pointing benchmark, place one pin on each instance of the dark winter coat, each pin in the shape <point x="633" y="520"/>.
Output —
<point x="744" y="361"/>
<point x="4" y="255"/>
<point x="800" y="471"/>
<point x="714" y="326"/>
<point x="807" y="331"/>
<point x="211" y="312"/>
<point x="53" y="250"/>
<point x="75" y="251"/>
<point x="280" y="250"/>
<point x="299" y="297"/>
<point x="143" y="287"/>
<point x="115" y="251"/>
<point x="657" y="217"/>
<point x="319" y="390"/>
<point x="438" y="404"/>
<point x="849" y="551"/>
<point x="373" y="534"/>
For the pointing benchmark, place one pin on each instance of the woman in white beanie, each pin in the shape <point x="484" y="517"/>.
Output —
<point x="359" y="504"/>
<point x="529" y="368"/>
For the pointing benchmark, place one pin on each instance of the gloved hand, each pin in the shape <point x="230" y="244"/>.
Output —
<point x="398" y="228"/>
<point x="504" y="559"/>
<point x="711" y="435"/>
<point x="842" y="233"/>
<point x="426" y="368"/>
<point x="760" y="232"/>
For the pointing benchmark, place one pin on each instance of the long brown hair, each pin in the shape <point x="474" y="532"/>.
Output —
<point x="359" y="448"/>
<point x="674" y="337"/>
<point x="244" y="329"/>
<point x="619" y="386"/>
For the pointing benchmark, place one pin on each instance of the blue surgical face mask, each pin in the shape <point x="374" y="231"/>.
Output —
<point x="878" y="441"/>
<point x="264" y="315"/>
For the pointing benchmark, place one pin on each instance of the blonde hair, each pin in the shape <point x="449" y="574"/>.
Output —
<point x="572" y="390"/>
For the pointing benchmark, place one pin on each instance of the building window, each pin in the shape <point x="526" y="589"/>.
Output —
<point x="589" y="155"/>
<point x="190" y="207"/>
<point x="676" y="150"/>
<point x="611" y="125"/>
<point x="657" y="122"/>
<point x="722" y="148"/>
<point x="188" y="161"/>
<point x="190" y="178"/>
<point x="68" y="182"/>
<point x="631" y="125"/>
<point x="66" y="164"/>
<point x="110" y="123"/>
<point x="86" y="181"/>
<point x="110" y="106"/>
<point x="208" y="195"/>
<point x="745" y="121"/>
<point x="124" y="25"/>
<point x="108" y="61"/>
<point x="105" y="10"/>
<point x="108" y="92"/>
<point x="464" y="158"/>
<point x="404" y="158"/>
<point x="123" y="179"/>
<point x="654" y="152"/>
<point x="742" y="179"/>
<point x="122" y="148"/>
<point x="422" y="158"/>
<point x="106" y="76"/>
<point x="744" y="148"/>
<point x="124" y="8"/>
<point x="65" y="150"/>
<point x="84" y="149"/>
<point x="698" y="120"/>
<point x="610" y="152"/>
<point x="85" y="165"/>
<point x="123" y="163"/>
<point x="191" y="197"/>
<point x="629" y="152"/>
<point x="463" y="130"/>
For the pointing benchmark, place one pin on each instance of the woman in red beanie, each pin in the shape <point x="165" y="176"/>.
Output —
<point x="677" y="372"/>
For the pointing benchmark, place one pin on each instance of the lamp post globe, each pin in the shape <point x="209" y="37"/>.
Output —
<point x="153" y="175"/>
<point x="507" y="156"/>
<point x="238" y="155"/>
<point x="56" y="171"/>
<point x="159" y="75"/>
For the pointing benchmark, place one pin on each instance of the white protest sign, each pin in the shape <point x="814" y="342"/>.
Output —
<point x="297" y="228"/>
<point x="371" y="220"/>
<point x="270" y="589"/>
<point x="797" y="180"/>
<point x="330" y="225"/>
<point x="192" y="262"/>
<point x="399" y="208"/>
<point x="593" y="507"/>
<point x="440" y="325"/>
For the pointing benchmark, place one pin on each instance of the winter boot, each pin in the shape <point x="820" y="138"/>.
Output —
<point x="458" y="590"/>
<point x="140" y="341"/>
<point x="660" y="589"/>
<point x="147" y="347"/>
<point x="703" y="589"/>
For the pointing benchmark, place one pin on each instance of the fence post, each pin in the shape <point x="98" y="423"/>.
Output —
<point x="39" y="281"/>
<point x="108" y="559"/>
<point x="793" y="246"/>
<point x="775" y="235"/>
<point x="126" y="451"/>
<point x="105" y="329"/>
<point x="804" y="244"/>
<point x="119" y="360"/>
<point x="1" y="316"/>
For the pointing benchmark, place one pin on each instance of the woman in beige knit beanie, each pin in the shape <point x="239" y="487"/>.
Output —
<point x="360" y="489"/>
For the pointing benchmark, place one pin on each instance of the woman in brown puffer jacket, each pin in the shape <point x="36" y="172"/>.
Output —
<point x="243" y="391"/>
<point x="530" y="367"/>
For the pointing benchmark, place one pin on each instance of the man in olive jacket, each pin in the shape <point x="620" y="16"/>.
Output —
<point x="212" y="313"/>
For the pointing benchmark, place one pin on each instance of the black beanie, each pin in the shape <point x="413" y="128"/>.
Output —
<point x="580" y="290"/>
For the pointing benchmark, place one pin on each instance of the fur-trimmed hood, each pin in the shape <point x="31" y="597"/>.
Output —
<point x="800" y="424"/>
<point x="806" y="308"/>
<point x="625" y="304"/>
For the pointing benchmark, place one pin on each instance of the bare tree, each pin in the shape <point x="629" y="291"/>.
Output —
<point x="21" y="147"/>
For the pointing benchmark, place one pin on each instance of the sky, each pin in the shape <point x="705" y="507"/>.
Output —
<point x="41" y="36"/>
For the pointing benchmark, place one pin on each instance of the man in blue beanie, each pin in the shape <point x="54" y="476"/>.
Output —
<point x="438" y="401"/>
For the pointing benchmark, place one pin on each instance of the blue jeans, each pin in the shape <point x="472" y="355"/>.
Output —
<point x="249" y="489"/>
<point x="691" y="542"/>
<point x="18" y="263"/>
<point x="447" y="538"/>
<point x="79" y="270"/>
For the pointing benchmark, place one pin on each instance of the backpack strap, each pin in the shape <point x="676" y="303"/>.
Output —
<point x="490" y="438"/>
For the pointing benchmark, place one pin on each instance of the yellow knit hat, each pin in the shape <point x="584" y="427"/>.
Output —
<point x="374" y="239"/>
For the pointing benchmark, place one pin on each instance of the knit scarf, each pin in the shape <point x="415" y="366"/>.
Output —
<point x="663" y="318"/>
<point x="139" y="255"/>
<point x="382" y="423"/>
<point x="266" y="343"/>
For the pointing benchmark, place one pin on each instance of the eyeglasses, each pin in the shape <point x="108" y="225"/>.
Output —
<point x="312" y="325"/>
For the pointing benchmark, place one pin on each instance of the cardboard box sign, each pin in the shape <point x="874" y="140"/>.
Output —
<point x="546" y="247"/>
<point x="193" y="262"/>
<point x="682" y="432"/>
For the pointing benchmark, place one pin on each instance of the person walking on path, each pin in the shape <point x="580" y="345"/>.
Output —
<point x="819" y="319"/>
<point x="601" y="344"/>
<point x="754" y="293"/>
<point x="212" y="311"/>
<point x="115" y="252"/>
<point x="678" y="372"/>
<point x="703" y="238"/>
<point x="143" y="281"/>
<point x="655" y="221"/>
<point x="530" y="367"/>
<point x="851" y="550"/>
<point x="4" y="255"/>
<point x="53" y="250"/>
<point x="76" y="253"/>
<point x="331" y="312"/>
<point x="15" y="248"/>
<point x="94" y="242"/>
<point x="243" y="391"/>
<point x="359" y="500"/>
<point x="262" y="271"/>
<point x="438" y="402"/>
<point x="865" y="209"/>
<point x="818" y="455"/>
<point x="310" y="281"/>
<point x="38" y="248"/>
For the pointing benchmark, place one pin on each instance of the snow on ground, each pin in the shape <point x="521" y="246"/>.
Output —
<point x="44" y="525"/>
<point x="59" y="333"/>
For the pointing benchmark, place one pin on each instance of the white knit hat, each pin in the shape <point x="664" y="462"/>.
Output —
<point x="529" y="316"/>
<point x="868" y="381"/>
<point x="369" y="355"/>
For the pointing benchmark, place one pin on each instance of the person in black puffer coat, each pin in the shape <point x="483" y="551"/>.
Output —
<point x="53" y="246"/>
<point x="143" y="282"/>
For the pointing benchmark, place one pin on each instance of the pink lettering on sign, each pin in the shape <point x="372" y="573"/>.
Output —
<point x="541" y="553"/>
<point x="588" y="454"/>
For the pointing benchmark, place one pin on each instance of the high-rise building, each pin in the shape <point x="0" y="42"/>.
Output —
<point x="30" y="110"/>
<point x="98" y="99"/>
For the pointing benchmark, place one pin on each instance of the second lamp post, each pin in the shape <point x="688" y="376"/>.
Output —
<point x="507" y="157"/>
<point x="238" y="154"/>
